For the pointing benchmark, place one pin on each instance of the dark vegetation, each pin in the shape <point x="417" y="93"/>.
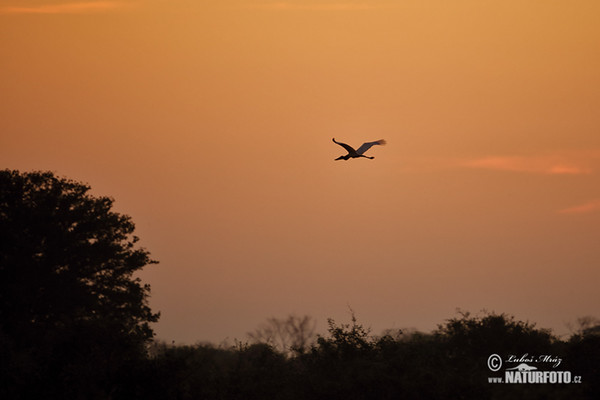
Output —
<point x="75" y="324"/>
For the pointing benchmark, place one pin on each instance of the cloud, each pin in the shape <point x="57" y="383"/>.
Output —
<point x="588" y="207"/>
<point x="64" y="8"/>
<point x="318" y="6"/>
<point x="573" y="164"/>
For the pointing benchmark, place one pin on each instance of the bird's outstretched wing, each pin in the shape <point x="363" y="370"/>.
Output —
<point x="366" y="146"/>
<point x="349" y="149"/>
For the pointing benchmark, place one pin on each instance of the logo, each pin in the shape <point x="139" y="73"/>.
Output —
<point x="494" y="362"/>
<point x="522" y="367"/>
<point x="529" y="369"/>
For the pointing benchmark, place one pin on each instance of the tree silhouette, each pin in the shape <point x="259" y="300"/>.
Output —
<point x="70" y="308"/>
<point x="292" y="335"/>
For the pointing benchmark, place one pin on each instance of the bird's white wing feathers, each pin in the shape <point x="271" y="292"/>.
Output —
<point x="366" y="146"/>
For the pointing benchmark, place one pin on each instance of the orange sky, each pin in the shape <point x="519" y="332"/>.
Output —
<point x="210" y="123"/>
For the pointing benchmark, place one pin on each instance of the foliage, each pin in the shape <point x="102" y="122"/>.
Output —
<point x="71" y="312"/>
<point x="583" y="353"/>
<point x="350" y="363"/>
<point x="291" y="335"/>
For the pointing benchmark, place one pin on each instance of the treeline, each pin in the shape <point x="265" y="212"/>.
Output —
<point x="75" y="323"/>
<point x="350" y="363"/>
<point x="452" y="362"/>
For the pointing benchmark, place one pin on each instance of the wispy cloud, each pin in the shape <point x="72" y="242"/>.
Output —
<point x="64" y="8"/>
<point x="588" y="207"/>
<point x="571" y="164"/>
<point x="319" y="6"/>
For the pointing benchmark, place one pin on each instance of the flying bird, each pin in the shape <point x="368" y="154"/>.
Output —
<point x="359" y="152"/>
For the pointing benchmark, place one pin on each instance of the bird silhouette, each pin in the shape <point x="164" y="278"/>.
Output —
<point x="359" y="152"/>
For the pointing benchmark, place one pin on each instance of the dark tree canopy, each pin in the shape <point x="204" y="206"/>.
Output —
<point x="66" y="265"/>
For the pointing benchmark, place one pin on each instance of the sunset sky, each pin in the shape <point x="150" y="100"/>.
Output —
<point x="210" y="123"/>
